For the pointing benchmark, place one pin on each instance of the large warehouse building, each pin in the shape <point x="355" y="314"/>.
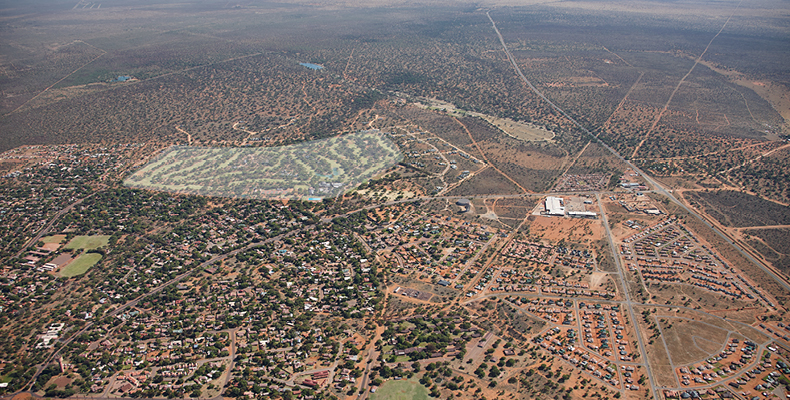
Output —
<point x="555" y="206"/>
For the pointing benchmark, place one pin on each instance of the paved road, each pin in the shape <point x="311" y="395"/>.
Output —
<point x="363" y="386"/>
<point x="485" y="196"/>
<point x="660" y="189"/>
<point x="232" y="334"/>
<point x="629" y="304"/>
<point x="501" y="247"/>
<point x="622" y="303"/>
<point x="613" y="302"/>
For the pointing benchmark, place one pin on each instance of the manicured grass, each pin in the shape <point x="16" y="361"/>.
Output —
<point x="80" y="265"/>
<point x="347" y="160"/>
<point x="88" y="242"/>
<point x="405" y="389"/>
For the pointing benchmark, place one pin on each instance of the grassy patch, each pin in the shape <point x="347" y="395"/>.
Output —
<point x="80" y="265"/>
<point x="88" y="242"/>
<point x="691" y="341"/>
<point x="520" y="130"/>
<point x="53" y="239"/>
<point x="406" y="389"/>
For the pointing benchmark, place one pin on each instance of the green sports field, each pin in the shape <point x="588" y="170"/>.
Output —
<point x="80" y="265"/>
<point x="405" y="389"/>
<point x="88" y="242"/>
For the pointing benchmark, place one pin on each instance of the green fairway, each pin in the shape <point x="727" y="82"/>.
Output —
<point x="406" y="389"/>
<point x="88" y="242"/>
<point x="80" y="265"/>
<point x="53" y="239"/>
<point x="315" y="169"/>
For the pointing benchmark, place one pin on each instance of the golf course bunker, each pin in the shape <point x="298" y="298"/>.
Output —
<point x="309" y="170"/>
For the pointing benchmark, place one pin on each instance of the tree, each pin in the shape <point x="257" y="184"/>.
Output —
<point x="493" y="372"/>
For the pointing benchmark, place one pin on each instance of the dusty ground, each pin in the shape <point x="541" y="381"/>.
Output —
<point x="22" y="396"/>
<point x="575" y="230"/>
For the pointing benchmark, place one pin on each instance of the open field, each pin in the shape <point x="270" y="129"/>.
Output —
<point x="691" y="341"/>
<point x="485" y="182"/>
<point x="405" y="389"/>
<point x="53" y="239"/>
<point x="87" y="242"/>
<point x="80" y="265"/>
<point x="767" y="175"/>
<point x="520" y="130"/>
<point x="573" y="230"/>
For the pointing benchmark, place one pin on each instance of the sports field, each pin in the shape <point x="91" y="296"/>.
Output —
<point x="80" y="265"/>
<point x="87" y="242"/>
<point x="405" y="389"/>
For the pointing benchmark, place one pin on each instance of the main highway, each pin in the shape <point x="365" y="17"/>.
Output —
<point x="658" y="188"/>
<point x="652" y="182"/>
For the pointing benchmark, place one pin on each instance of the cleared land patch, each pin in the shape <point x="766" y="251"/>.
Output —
<point x="80" y="265"/>
<point x="692" y="341"/>
<point x="87" y="242"/>
<point x="515" y="129"/>
<point x="520" y="130"/>
<point x="317" y="169"/>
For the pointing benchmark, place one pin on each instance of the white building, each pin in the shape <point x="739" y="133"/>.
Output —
<point x="555" y="206"/>
<point x="583" y="214"/>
